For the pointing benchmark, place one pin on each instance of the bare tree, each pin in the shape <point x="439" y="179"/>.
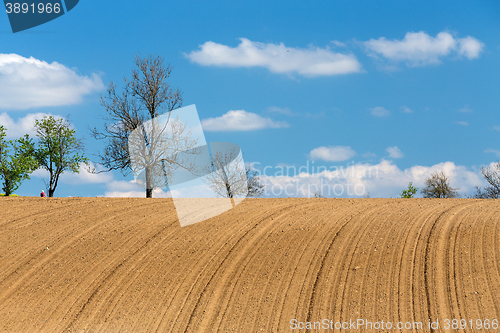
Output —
<point x="438" y="186"/>
<point x="158" y="148"/>
<point x="318" y="195"/>
<point x="478" y="194"/>
<point x="229" y="178"/>
<point x="255" y="187"/>
<point x="492" y="176"/>
<point x="147" y="96"/>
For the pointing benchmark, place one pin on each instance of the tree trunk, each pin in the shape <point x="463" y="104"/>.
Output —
<point x="149" y="181"/>
<point x="7" y="187"/>
<point x="51" y="192"/>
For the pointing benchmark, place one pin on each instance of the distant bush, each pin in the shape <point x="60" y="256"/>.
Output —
<point x="409" y="192"/>
<point x="438" y="186"/>
<point x="318" y="195"/>
<point x="492" y="176"/>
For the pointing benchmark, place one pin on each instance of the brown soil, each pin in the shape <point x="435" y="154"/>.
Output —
<point x="126" y="265"/>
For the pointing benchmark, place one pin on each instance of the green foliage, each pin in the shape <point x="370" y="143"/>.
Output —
<point x="58" y="149"/>
<point x="16" y="167"/>
<point x="409" y="192"/>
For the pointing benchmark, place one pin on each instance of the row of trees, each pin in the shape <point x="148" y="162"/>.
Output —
<point x="156" y="148"/>
<point x="438" y="186"/>
<point x="57" y="150"/>
<point x="145" y="97"/>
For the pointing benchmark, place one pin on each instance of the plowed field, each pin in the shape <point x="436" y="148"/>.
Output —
<point x="126" y="265"/>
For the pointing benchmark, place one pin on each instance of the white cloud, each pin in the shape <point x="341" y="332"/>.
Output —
<point x="86" y="177"/>
<point x="277" y="58"/>
<point x="465" y="109"/>
<point x="395" y="152"/>
<point x="240" y="120"/>
<point x="130" y="189"/>
<point x="114" y="188"/>
<point x="369" y="155"/>
<point x="470" y="47"/>
<point x="380" y="180"/>
<point x="463" y="123"/>
<point x="287" y="112"/>
<point x="40" y="173"/>
<point x="337" y="43"/>
<point x="23" y="125"/>
<point x="283" y="111"/>
<point x="332" y="154"/>
<point x="29" y="83"/>
<point x="157" y="193"/>
<point x="418" y="48"/>
<point x="496" y="128"/>
<point x="380" y="111"/>
<point x="82" y="178"/>
<point x="493" y="151"/>
<point x="406" y="109"/>
<point x="123" y="186"/>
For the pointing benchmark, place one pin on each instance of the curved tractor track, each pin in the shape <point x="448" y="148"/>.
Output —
<point x="126" y="265"/>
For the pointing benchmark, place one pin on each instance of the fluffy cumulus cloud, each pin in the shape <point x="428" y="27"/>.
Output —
<point x="379" y="111"/>
<point x="114" y="188"/>
<point x="130" y="189"/>
<point x="470" y="47"/>
<point x="23" y="125"/>
<point x="332" y="154"/>
<point x="90" y="174"/>
<point x="395" y="152"/>
<point x="83" y="177"/>
<point x="240" y="120"/>
<point x="29" y="83"/>
<point x="277" y="58"/>
<point x="418" y="48"/>
<point x="384" y="179"/>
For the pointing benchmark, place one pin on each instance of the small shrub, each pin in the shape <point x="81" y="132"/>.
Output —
<point x="438" y="186"/>
<point x="409" y="192"/>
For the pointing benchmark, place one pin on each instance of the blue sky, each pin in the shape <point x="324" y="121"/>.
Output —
<point x="406" y="87"/>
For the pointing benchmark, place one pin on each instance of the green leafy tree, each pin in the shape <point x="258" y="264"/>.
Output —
<point x="58" y="149"/>
<point x="16" y="167"/>
<point x="409" y="192"/>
